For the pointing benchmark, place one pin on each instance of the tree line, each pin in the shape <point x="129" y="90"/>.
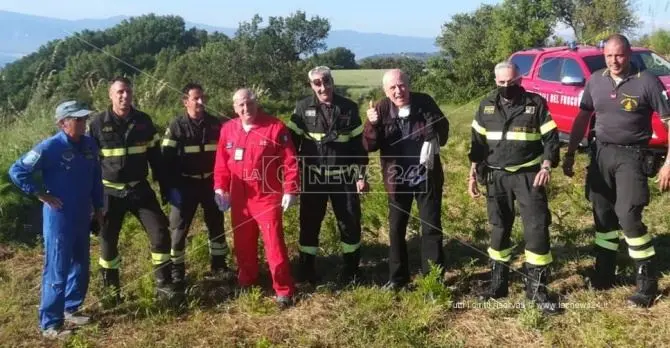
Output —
<point x="272" y="57"/>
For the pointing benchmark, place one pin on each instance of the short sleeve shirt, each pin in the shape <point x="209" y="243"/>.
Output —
<point x="623" y="111"/>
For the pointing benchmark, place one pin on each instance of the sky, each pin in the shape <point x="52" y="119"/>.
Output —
<point x="411" y="18"/>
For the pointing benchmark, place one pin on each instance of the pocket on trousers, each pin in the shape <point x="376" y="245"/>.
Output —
<point x="650" y="163"/>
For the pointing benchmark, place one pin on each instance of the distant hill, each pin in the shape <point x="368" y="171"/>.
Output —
<point x="422" y="56"/>
<point x="21" y="34"/>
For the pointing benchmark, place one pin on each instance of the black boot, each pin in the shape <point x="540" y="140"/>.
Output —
<point x="499" y="286"/>
<point x="179" y="276"/>
<point x="350" y="270"/>
<point x="307" y="269"/>
<point x="536" y="289"/>
<point x="219" y="271"/>
<point x="164" y="288"/>
<point x="112" y="286"/>
<point x="604" y="272"/>
<point x="647" y="284"/>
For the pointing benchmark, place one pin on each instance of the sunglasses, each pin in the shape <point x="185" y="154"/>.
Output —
<point x="326" y="81"/>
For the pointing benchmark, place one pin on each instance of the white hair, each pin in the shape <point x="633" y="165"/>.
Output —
<point x="507" y="65"/>
<point x="320" y="70"/>
<point x="244" y="92"/>
<point x="390" y="73"/>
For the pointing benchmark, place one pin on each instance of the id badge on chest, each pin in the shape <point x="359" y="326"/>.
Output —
<point x="239" y="154"/>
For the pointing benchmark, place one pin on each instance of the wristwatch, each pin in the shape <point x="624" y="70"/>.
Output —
<point x="547" y="168"/>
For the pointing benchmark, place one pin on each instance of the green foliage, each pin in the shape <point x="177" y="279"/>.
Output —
<point x="431" y="287"/>
<point x="473" y="43"/>
<point x="594" y="20"/>
<point x="335" y="58"/>
<point x="658" y="40"/>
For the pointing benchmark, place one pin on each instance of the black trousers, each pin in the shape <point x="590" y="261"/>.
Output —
<point x="346" y="206"/>
<point x="428" y="196"/>
<point x="191" y="194"/>
<point x="617" y="186"/>
<point x="502" y="190"/>
<point x="141" y="202"/>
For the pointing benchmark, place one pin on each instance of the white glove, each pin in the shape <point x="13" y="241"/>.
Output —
<point x="428" y="152"/>
<point x="222" y="200"/>
<point x="287" y="200"/>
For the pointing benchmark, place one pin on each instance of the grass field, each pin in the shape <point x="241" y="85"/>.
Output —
<point x="358" y="77"/>
<point x="366" y="316"/>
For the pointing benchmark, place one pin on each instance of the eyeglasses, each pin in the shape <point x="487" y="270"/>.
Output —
<point x="326" y="81"/>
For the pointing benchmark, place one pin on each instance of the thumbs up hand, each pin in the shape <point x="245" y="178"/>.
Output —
<point x="373" y="116"/>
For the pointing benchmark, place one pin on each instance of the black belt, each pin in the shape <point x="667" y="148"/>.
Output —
<point x="623" y="146"/>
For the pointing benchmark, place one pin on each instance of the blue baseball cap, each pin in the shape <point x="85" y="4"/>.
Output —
<point x="71" y="108"/>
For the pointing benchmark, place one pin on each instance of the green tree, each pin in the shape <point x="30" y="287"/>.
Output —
<point x="471" y="45"/>
<point x="594" y="20"/>
<point x="336" y="58"/>
<point x="659" y="41"/>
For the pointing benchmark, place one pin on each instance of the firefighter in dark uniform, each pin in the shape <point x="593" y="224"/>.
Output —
<point x="326" y="129"/>
<point x="128" y="141"/>
<point x="623" y="99"/>
<point x="408" y="129"/>
<point x="189" y="151"/>
<point x="514" y="146"/>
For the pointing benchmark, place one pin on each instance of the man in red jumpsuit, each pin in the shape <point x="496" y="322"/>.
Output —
<point x="254" y="152"/>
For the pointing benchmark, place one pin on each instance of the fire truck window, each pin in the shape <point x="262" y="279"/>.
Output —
<point x="550" y="70"/>
<point x="572" y="69"/>
<point x="524" y="62"/>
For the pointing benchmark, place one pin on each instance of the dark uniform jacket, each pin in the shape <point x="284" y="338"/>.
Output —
<point x="402" y="147"/>
<point x="521" y="135"/>
<point x="189" y="148"/>
<point x="325" y="142"/>
<point x="126" y="146"/>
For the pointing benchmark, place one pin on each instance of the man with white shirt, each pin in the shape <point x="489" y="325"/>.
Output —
<point x="408" y="128"/>
<point x="256" y="176"/>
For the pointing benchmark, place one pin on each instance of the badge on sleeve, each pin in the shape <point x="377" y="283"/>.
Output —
<point x="665" y="95"/>
<point x="310" y="113"/>
<point x="229" y="145"/>
<point x="31" y="158"/>
<point x="530" y="109"/>
<point x="489" y="109"/>
<point x="239" y="154"/>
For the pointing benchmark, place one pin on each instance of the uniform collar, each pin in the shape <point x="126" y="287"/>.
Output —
<point x="201" y="122"/>
<point x="634" y="71"/>
<point x="112" y="116"/>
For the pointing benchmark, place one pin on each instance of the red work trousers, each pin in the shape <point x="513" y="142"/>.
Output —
<point x="248" y="220"/>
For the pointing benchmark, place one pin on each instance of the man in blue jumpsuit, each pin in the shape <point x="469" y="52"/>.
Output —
<point x="71" y="186"/>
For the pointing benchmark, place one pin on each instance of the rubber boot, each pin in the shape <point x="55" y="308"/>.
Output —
<point x="536" y="289"/>
<point x="350" y="270"/>
<point x="647" y="284"/>
<point x="165" y="290"/>
<point x="219" y="271"/>
<point x="499" y="286"/>
<point x="112" y="286"/>
<point x="179" y="277"/>
<point x="307" y="269"/>
<point x="604" y="272"/>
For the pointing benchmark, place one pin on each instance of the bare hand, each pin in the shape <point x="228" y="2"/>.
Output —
<point x="373" y="116"/>
<point x="51" y="201"/>
<point x="542" y="178"/>
<point x="362" y="186"/>
<point x="568" y="164"/>
<point x="664" y="178"/>
<point x="473" y="189"/>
